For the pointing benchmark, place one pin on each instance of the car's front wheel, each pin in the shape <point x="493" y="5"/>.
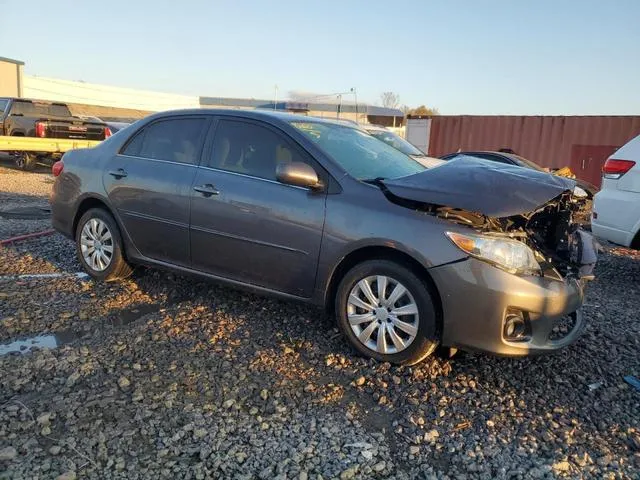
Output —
<point x="387" y="312"/>
<point x="99" y="246"/>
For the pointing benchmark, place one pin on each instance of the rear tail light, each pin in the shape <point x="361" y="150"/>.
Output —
<point x="614" y="168"/>
<point x="107" y="132"/>
<point x="57" y="168"/>
<point x="40" y="130"/>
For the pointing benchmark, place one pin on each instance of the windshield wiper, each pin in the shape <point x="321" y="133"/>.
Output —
<point x="374" y="181"/>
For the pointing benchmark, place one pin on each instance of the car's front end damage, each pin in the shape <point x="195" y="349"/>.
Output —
<point x="520" y="289"/>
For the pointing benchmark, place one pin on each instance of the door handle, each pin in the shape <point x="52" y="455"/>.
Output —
<point x="207" y="190"/>
<point x="119" y="173"/>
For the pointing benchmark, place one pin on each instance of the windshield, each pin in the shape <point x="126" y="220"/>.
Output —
<point x="396" y="141"/>
<point x="361" y="155"/>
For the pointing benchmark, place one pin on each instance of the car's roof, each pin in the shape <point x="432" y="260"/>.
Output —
<point x="511" y="156"/>
<point x="479" y="151"/>
<point x="254" y="114"/>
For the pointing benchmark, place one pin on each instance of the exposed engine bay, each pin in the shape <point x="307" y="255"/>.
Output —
<point x="550" y="231"/>
<point x="536" y="208"/>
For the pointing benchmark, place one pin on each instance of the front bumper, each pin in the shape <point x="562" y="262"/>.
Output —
<point x="476" y="298"/>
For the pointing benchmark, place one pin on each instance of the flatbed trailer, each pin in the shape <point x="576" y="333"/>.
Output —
<point x="28" y="151"/>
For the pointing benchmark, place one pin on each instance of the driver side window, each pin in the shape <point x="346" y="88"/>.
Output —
<point x="250" y="149"/>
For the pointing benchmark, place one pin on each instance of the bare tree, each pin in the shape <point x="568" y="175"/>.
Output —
<point x="390" y="99"/>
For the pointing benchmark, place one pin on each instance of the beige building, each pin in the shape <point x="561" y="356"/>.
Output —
<point x="362" y="113"/>
<point x="78" y="92"/>
<point x="117" y="102"/>
<point x="11" y="77"/>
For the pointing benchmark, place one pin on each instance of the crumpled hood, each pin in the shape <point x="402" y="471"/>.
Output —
<point x="490" y="188"/>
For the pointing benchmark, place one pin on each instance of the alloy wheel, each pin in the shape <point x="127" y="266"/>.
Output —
<point x="383" y="314"/>
<point x="96" y="244"/>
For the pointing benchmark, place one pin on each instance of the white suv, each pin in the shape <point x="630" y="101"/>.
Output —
<point x="616" y="207"/>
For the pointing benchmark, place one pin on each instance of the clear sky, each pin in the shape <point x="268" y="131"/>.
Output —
<point x="461" y="56"/>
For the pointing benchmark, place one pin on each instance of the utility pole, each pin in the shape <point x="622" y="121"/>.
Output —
<point x="355" y="94"/>
<point x="275" y="97"/>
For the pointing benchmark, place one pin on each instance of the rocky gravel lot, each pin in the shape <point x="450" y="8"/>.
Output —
<point x="162" y="376"/>
<point x="23" y="195"/>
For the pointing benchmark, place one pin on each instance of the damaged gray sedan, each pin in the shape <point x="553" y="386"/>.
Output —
<point x="470" y="254"/>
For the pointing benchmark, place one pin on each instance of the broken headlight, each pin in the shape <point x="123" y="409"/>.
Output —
<point x="506" y="253"/>
<point x="579" y="192"/>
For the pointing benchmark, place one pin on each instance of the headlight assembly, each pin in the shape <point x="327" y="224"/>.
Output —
<point x="506" y="253"/>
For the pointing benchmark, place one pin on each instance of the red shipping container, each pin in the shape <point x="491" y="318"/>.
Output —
<point x="582" y="143"/>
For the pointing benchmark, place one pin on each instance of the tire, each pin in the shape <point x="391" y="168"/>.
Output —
<point x="97" y="222"/>
<point x="418" y="333"/>
<point x="26" y="161"/>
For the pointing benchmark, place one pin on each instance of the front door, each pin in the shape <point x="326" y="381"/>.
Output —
<point x="149" y="185"/>
<point x="245" y="225"/>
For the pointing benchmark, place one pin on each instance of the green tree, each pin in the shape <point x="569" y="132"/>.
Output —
<point x="422" y="110"/>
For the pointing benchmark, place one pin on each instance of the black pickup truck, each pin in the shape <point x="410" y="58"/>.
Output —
<point x="34" y="118"/>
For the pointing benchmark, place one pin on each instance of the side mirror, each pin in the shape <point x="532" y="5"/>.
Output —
<point x="299" y="174"/>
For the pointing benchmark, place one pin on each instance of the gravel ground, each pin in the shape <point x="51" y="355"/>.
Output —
<point x="162" y="376"/>
<point x="16" y="203"/>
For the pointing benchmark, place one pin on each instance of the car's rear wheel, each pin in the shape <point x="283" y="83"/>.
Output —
<point x="387" y="313"/>
<point x="99" y="246"/>
<point x="26" y="161"/>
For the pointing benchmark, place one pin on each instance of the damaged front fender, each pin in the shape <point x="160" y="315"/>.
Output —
<point x="535" y="207"/>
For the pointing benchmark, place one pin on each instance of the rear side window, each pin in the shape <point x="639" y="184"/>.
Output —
<point x="3" y="106"/>
<point x="175" y="140"/>
<point x="250" y="149"/>
<point x="37" y="108"/>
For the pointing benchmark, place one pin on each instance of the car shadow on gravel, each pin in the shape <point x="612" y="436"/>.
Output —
<point x="21" y="214"/>
<point x="296" y="351"/>
<point x="20" y="198"/>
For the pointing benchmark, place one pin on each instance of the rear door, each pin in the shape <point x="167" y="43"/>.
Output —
<point x="247" y="226"/>
<point x="149" y="184"/>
